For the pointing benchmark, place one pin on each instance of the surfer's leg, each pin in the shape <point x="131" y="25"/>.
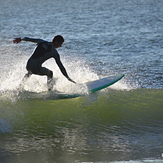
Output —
<point x="26" y="76"/>
<point x="49" y="74"/>
<point x="50" y="80"/>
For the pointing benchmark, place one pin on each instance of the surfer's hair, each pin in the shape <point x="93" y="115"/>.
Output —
<point x="58" y="39"/>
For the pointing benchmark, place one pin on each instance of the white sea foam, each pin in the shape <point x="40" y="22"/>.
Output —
<point x="77" y="70"/>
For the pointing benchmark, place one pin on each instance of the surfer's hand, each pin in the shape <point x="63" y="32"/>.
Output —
<point x="17" y="40"/>
<point x="71" y="80"/>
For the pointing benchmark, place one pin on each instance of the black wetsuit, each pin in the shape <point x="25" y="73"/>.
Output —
<point x="44" y="51"/>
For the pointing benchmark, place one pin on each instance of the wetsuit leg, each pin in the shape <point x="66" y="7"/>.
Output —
<point x="50" y="80"/>
<point x="27" y="75"/>
<point x="25" y="79"/>
<point x="49" y="74"/>
<point x="34" y="66"/>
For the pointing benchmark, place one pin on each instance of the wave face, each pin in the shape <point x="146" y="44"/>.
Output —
<point x="109" y="125"/>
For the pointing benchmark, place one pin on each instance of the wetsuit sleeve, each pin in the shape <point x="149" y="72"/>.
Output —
<point x="63" y="70"/>
<point x="32" y="40"/>
<point x="61" y="67"/>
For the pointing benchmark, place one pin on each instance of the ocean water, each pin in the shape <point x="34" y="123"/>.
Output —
<point x="122" y="123"/>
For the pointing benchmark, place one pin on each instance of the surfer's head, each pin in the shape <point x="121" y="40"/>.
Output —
<point x="58" y="41"/>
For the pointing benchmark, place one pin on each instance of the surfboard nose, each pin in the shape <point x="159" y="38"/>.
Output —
<point x="97" y="85"/>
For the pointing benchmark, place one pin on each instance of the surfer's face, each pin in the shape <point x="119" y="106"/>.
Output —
<point x="58" y="44"/>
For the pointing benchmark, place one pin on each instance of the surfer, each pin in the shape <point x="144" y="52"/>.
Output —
<point x="44" y="51"/>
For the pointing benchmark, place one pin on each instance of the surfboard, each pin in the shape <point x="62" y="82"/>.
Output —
<point x="48" y="95"/>
<point x="100" y="84"/>
<point x="94" y="86"/>
<point x="61" y="95"/>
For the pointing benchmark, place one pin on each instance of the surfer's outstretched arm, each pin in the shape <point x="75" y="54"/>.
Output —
<point x="63" y="70"/>
<point x="17" y="40"/>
